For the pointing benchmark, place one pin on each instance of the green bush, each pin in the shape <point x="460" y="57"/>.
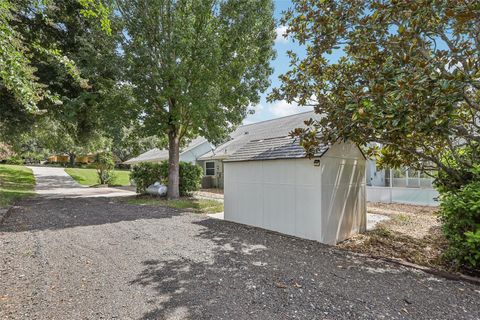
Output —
<point x="16" y="160"/>
<point x="146" y="174"/>
<point x="460" y="215"/>
<point x="190" y="178"/>
<point x="104" y="164"/>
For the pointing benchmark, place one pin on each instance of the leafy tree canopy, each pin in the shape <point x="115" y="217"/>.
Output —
<point x="196" y="66"/>
<point x="89" y="103"/>
<point x="408" y="78"/>
<point x="17" y="75"/>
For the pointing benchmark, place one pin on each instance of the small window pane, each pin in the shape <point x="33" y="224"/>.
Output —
<point x="210" y="165"/>
<point x="210" y="168"/>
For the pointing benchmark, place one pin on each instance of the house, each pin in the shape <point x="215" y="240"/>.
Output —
<point x="64" y="159"/>
<point x="211" y="159"/>
<point x="401" y="186"/>
<point x="212" y="162"/>
<point x="190" y="153"/>
<point x="270" y="183"/>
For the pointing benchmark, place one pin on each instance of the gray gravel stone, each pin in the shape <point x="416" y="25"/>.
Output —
<point x="3" y="214"/>
<point x="98" y="258"/>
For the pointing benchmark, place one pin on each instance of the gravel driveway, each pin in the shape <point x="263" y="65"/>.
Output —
<point x="100" y="258"/>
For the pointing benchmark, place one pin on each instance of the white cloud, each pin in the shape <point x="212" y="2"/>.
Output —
<point x="280" y="31"/>
<point x="282" y="108"/>
<point x="251" y="118"/>
<point x="258" y="107"/>
<point x="266" y="111"/>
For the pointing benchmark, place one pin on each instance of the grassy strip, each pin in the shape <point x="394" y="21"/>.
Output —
<point x="16" y="182"/>
<point x="89" y="177"/>
<point x="190" y="204"/>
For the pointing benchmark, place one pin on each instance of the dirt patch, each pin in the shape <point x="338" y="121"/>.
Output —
<point x="412" y="233"/>
<point x="413" y="221"/>
<point x="214" y="194"/>
<point x="213" y="190"/>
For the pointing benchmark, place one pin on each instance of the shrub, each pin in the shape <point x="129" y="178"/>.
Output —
<point x="104" y="164"/>
<point x="146" y="174"/>
<point x="460" y="214"/>
<point x="15" y="160"/>
<point x="190" y="178"/>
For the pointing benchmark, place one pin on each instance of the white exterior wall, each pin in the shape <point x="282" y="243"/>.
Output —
<point x="374" y="177"/>
<point x="217" y="178"/>
<point x="193" y="154"/>
<point x="344" y="208"/>
<point x="292" y="196"/>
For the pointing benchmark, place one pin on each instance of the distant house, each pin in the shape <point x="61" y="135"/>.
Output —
<point x="190" y="153"/>
<point x="64" y="159"/>
<point x="211" y="158"/>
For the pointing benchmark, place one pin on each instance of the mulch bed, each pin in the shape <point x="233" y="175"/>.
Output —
<point x="413" y="234"/>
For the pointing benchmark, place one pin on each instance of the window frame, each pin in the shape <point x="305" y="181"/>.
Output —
<point x="207" y="169"/>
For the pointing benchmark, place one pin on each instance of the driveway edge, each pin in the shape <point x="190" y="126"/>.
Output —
<point x="439" y="273"/>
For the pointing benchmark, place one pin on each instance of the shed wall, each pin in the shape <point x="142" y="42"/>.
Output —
<point x="279" y="195"/>
<point x="295" y="197"/>
<point x="343" y="193"/>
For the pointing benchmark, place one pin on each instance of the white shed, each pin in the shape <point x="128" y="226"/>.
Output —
<point x="271" y="184"/>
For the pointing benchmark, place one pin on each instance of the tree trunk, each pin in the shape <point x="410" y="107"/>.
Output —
<point x="173" y="191"/>
<point x="72" y="159"/>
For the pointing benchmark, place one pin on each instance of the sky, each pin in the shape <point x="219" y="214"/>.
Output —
<point x="265" y="110"/>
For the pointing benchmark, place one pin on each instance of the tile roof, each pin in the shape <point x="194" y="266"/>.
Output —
<point x="273" y="148"/>
<point x="274" y="128"/>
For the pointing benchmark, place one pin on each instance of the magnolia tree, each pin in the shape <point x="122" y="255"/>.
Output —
<point x="196" y="66"/>
<point x="408" y="77"/>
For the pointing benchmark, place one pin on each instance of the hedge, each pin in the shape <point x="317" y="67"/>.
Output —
<point x="146" y="174"/>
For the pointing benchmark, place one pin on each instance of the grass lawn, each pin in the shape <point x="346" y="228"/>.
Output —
<point x="16" y="182"/>
<point x="89" y="177"/>
<point x="190" y="204"/>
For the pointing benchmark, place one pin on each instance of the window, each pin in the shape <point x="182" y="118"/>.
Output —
<point x="210" y="168"/>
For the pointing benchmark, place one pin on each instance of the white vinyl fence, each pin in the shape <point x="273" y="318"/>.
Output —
<point x="416" y="196"/>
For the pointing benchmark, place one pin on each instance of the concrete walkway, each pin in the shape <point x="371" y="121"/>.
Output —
<point x="52" y="182"/>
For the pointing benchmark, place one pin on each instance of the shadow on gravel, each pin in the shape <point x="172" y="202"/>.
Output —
<point x="51" y="214"/>
<point x="255" y="274"/>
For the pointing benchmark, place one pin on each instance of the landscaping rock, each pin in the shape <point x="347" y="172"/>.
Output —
<point x="3" y="213"/>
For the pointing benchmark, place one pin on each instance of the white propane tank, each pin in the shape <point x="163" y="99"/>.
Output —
<point x="157" y="189"/>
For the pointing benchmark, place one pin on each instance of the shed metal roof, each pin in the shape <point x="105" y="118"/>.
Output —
<point x="273" y="149"/>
